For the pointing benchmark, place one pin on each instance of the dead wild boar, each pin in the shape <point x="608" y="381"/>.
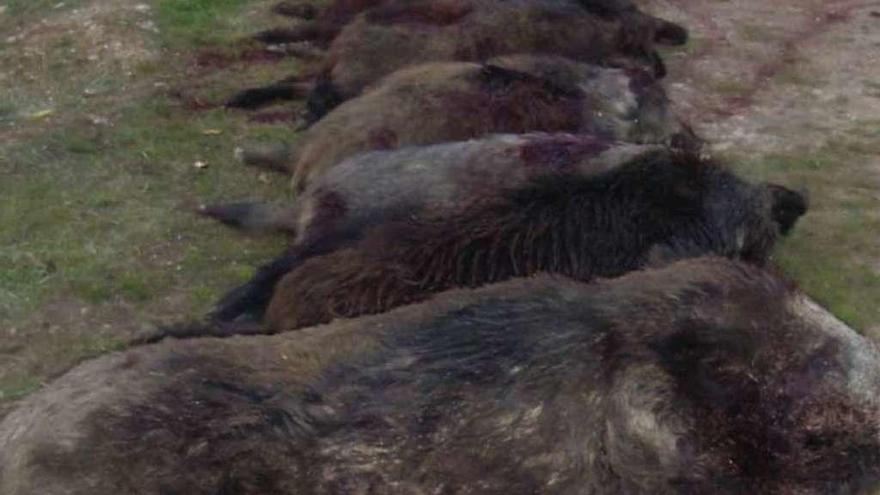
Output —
<point x="390" y="37"/>
<point x="322" y="25"/>
<point x="325" y="23"/>
<point x="456" y="101"/>
<point x="382" y="186"/>
<point x="654" y="208"/>
<point x="709" y="376"/>
<point x="377" y="186"/>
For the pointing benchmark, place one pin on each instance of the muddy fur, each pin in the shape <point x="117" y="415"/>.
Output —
<point x="657" y="207"/>
<point x="397" y="34"/>
<point x="456" y="101"/>
<point x="706" y="377"/>
<point x="382" y="186"/>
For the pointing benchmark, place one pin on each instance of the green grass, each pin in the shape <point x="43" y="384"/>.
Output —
<point x="830" y="249"/>
<point x="18" y="387"/>
<point x="692" y="46"/>
<point x="730" y="87"/>
<point x="87" y="203"/>
<point x="758" y="33"/>
<point x="820" y="258"/>
<point x="97" y="214"/>
<point x="797" y="75"/>
<point x="199" y="22"/>
<point x="23" y="11"/>
<point x="7" y="111"/>
<point x="92" y="347"/>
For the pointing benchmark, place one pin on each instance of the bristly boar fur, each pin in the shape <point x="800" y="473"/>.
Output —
<point x="390" y="37"/>
<point x="456" y="101"/>
<point x="382" y="186"/>
<point x="657" y="207"/>
<point x="437" y="182"/>
<point x="705" y="377"/>
<point x="325" y="23"/>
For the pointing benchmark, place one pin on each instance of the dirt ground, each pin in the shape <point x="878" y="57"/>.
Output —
<point x="782" y="76"/>
<point x="93" y="168"/>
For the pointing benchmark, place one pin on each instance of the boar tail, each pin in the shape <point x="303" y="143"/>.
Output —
<point x="254" y="216"/>
<point x="320" y="33"/>
<point x="275" y="157"/>
<point x="253" y="297"/>
<point x="199" y="329"/>
<point x="285" y="90"/>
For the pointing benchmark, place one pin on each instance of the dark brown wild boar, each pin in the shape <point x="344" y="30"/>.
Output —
<point x="382" y="186"/>
<point x="456" y="101"/>
<point x="325" y="23"/>
<point x="706" y="377"/>
<point x="656" y="207"/>
<point x="396" y="35"/>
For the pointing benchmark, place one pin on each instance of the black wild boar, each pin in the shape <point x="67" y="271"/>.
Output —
<point x="653" y="208"/>
<point x="390" y="37"/>
<point x="467" y="182"/>
<point x="382" y="186"/>
<point x="706" y="377"/>
<point x="456" y="101"/>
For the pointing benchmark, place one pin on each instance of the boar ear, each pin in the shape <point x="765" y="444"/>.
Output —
<point x="786" y="206"/>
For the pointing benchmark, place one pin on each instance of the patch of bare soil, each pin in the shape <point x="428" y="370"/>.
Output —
<point x="774" y="76"/>
<point x="100" y="28"/>
<point x="74" y="59"/>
